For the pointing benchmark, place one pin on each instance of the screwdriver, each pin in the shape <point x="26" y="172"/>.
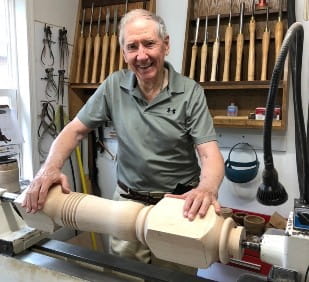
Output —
<point x="265" y="47"/>
<point x="88" y="49"/>
<point x="80" y="49"/>
<point x="194" y="50"/>
<point x="96" y="51"/>
<point x="279" y="30"/>
<point x="227" y="47"/>
<point x="215" y="52"/>
<point x="113" y="44"/>
<point x="251" y="57"/>
<point x="105" y="45"/>
<point x="120" y="49"/>
<point x="204" y="53"/>
<point x="240" y="44"/>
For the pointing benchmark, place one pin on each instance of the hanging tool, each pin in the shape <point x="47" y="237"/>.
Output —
<point x="105" y="46"/>
<point x="61" y="82"/>
<point x="265" y="48"/>
<point x="251" y="57"/>
<point x="204" y="53"/>
<point x="240" y="44"/>
<point x="80" y="49"/>
<point x="63" y="47"/>
<point x="89" y="45"/>
<point x="113" y="46"/>
<point x="120" y="49"/>
<point x="279" y="30"/>
<point x="262" y="4"/>
<point x="144" y="4"/>
<point x="47" y="45"/>
<point x="51" y="87"/>
<point x="194" y="50"/>
<point x="227" y="47"/>
<point x="215" y="52"/>
<point x="96" y="50"/>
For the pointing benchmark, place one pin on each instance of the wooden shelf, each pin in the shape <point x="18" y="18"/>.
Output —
<point x="217" y="85"/>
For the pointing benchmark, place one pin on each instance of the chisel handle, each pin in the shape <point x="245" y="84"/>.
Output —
<point x="227" y="52"/>
<point x="80" y="52"/>
<point x="193" y="61"/>
<point x="215" y="56"/>
<point x="87" y="60"/>
<point x="105" y="45"/>
<point x="278" y="36"/>
<point x="203" y="62"/>
<point x="113" y="48"/>
<point x="251" y="57"/>
<point x="239" y="55"/>
<point x="120" y="59"/>
<point x="265" y="47"/>
<point x="96" y="51"/>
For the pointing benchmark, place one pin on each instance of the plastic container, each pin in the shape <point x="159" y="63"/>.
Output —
<point x="232" y="110"/>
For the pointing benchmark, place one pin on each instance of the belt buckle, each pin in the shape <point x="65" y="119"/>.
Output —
<point x="153" y="194"/>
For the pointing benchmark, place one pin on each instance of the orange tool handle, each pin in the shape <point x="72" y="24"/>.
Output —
<point x="278" y="36"/>
<point x="113" y="48"/>
<point x="203" y="62"/>
<point x="215" y="56"/>
<point x="105" y="45"/>
<point x="265" y="47"/>
<point x="239" y="55"/>
<point x="80" y="51"/>
<point x="227" y="52"/>
<point x="251" y="57"/>
<point x="87" y="61"/>
<point x="96" y="51"/>
<point x="193" y="61"/>
<point x="120" y="59"/>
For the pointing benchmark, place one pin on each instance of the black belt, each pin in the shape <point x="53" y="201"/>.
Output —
<point x="148" y="197"/>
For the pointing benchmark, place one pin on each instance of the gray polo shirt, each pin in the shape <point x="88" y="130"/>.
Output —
<point x="156" y="148"/>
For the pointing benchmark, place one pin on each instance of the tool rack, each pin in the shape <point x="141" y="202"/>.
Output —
<point x="79" y="90"/>
<point x="247" y="95"/>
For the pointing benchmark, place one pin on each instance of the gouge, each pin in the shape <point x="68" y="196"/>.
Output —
<point x="240" y="44"/>
<point x="215" y="52"/>
<point x="113" y="44"/>
<point x="80" y="50"/>
<point x="265" y="47"/>
<point x="89" y="45"/>
<point x="194" y="50"/>
<point x="251" y="57"/>
<point x="204" y="53"/>
<point x="120" y="49"/>
<point x="105" y="46"/>
<point x="279" y="30"/>
<point x="227" y="47"/>
<point x="96" y="51"/>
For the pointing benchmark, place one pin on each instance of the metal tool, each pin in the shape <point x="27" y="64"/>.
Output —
<point x="240" y="44"/>
<point x="47" y="46"/>
<point x="80" y="49"/>
<point x="194" y="50"/>
<point x="113" y="44"/>
<point x="279" y="30"/>
<point x="204" y="53"/>
<point x="120" y="49"/>
<point x="96" y="50"/>
<point x="265" y="48"/>
<point x="89" y="46"/>
<point x="105" y="46"/>
<point x="251" y="57"/>
<point x="51" y="86"/>
<point x="228" y="45"/>
<point x="63" y="47"/>
<point x="215" y="52"/>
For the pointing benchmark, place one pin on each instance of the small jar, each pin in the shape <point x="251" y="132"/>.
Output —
<point x="232" y="110"/>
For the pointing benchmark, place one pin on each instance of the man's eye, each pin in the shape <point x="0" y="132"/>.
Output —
<point x="149" y="44"/>
<point x="131" y="47"/>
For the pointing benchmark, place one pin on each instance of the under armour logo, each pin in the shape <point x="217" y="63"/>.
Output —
<point x="171" y="110"/>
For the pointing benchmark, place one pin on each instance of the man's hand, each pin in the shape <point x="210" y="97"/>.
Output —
<point x="37" y="191"/>
<point x="197" y="201"/>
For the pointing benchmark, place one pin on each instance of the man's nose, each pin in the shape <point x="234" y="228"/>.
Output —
<point x="141" y="53"/>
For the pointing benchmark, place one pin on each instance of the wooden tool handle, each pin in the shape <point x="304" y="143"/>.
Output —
<point x="265" y="47"/>
<point x="88" y="53"/>
<point x="203" y="62"/>
<point x="96" y="51"/>
<point x="215" y="56"/>
<point x="251" y="57"/>
<point x="227" y="52"/>
<point x="113" y="48"/>
<point x="120" y="59"/>
<point x="80" y="51"/>
<point x="105" y="46"/>
<point x="278" y="36"/>
<point x="240" y="47"/>
<point x="193" y="61"/>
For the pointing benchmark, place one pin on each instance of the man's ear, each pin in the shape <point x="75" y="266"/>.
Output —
<point x="124" y="55"/>
<point x="167" y="45"/>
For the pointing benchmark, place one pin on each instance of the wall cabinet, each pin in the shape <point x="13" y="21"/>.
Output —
<point x="245" y="92"/>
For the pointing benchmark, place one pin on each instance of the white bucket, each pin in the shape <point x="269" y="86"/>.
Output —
<point x="9" y="176"/>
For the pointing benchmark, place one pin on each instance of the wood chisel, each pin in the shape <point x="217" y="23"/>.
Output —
<point x="251" y="57"/>
<point x="265" y="48"/>
<point x="80" y="50"/>
<point x="204" y="53"/>
<point x="120" y="49"/>
<point x="105" y="46"/>
<point x="279" y="30"/>
<point x="215" y="52"/>
<point x="194" y="50"/>
<point x="113" y="44"/>
<point x="96" y="51"/>
<point x="227" y="47"/>
<point x="240" y="44"/>
<point x="89" y="45"/>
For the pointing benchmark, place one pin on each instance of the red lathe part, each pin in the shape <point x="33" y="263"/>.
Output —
<point x="261" y="4"/>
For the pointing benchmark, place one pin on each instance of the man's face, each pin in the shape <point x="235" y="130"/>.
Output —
<point x="144" y="51"/>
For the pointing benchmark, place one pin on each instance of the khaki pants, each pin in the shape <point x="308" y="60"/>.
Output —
<point x="137" y="251"/>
